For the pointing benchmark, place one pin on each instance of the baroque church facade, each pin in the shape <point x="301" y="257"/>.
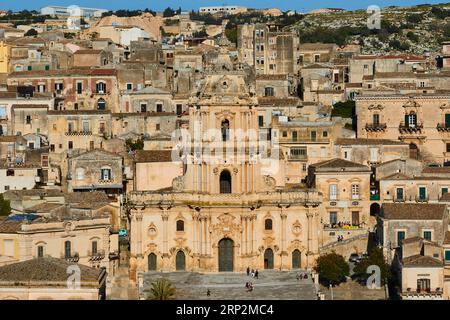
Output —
<point x="231" y="209"/>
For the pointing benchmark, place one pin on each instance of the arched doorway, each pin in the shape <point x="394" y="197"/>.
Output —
<point x="413" y="151"/>
<point x="225" y="182"/>
<point x="296" y="259"/>
<point x="374" y="209"/>
<point x="151" y="262"/>
<point x="226" y="254"/>
<point x="180" y="261"/>
<point x="268" y="259"/>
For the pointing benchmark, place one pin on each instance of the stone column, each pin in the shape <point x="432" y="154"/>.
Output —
<point x="253" y="235"/>
<point x="165" y="220"/>
<point x="200" y="233"/>
<point x="310" y="253"/>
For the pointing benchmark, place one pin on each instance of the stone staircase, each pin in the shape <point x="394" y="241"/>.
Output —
<point x="347" y="246"/>
<point x="270" y="285"/>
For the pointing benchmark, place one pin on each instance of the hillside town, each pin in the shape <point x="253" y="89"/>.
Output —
<point x="224" y="144"/>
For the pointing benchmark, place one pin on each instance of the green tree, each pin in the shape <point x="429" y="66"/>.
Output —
<point x="332" y="269"/>
<point x="134" y="145"/>
<point x="5" y="207"/>
<point x="375" y="257"/>
<point x="168" y="12"/>
<point x="343" y="109"/>
<point x="31" y="33"/>
<point x="161" y="290"/>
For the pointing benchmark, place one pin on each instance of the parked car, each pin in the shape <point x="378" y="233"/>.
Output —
<point x="354" y="257"/>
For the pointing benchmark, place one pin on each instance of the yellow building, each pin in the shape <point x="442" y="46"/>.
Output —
<point x="5" y="54"/>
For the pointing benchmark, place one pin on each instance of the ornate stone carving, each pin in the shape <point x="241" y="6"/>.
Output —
<point x="269" y="181"/>
<point x="152" y="231"/>
<point x="297" y="228"/>
<point x="227" y="227"/>
<point x="178" y="183"/>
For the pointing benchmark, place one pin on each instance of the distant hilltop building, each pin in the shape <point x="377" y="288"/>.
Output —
<point x="326" y="10"/>
<point x="66" y="11"/>
<point x="223" y="9"/>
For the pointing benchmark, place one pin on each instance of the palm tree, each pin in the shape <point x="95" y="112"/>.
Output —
<point x="161" y="290"/>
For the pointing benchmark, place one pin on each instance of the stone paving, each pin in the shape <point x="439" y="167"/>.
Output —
<point x="352" y="290"/>
<point x="270" y="285"/>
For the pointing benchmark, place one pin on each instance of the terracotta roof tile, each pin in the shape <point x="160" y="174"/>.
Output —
<point x="153" y="156"/>
<point x="413" y="211"/>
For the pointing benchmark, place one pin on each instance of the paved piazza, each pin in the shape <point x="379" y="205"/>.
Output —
<point x="271" y="285"/>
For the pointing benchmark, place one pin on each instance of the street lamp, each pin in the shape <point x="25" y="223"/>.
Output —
<point x="331" y="289"/>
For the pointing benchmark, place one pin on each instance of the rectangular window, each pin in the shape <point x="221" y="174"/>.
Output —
<point x="158" y="127"/>
<point x="69" y="127"/>
<point x="67" y="249"/>
<point x="106" y="174"/>
<point x="447" y="147"/>
<point x="313" y="135"/>
<point x="355" y="191"/>
<point x="355" y="218"/>
<point x="94" y="247"/>
<point x="444" y="190"/>
<point x="143" y="107"/>
<point x="129" y="86"/>
<point x="261" y="121"/>
<point x="423" y="285"/>
<point x="298" y="152"/>
<point x="269" y="92"/>
<point x="376" y="119"/>
<point x="159" y="107"/>
<point x="317" y="58"/>
<point x="179" y="109"/>
<point x="422" y="193"/>
<point x="40" y="251"/>
<point x="79" y="87"/>
<point x="333" y="191"/>
<point x="85" y="126"/>
<point x="102" y="127"/>
<point x="28" y="120"/>
<point x="373" y="155"/>
<point x="399" y="194"/>
<point x="447" y="255"/>
<point x="70" y="145"/>
<point x="294" y="136"/>
<point x="333" y="218"/>
<point x="427" y="235"/>
<point x="284" y="134"/>
<point x="400" y="237"/>
<point x="447" y="120"/>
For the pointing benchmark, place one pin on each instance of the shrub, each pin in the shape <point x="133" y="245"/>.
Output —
<point x="332" y="269"/>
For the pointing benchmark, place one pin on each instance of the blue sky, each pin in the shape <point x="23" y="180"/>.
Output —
<point x="299" y="5"/>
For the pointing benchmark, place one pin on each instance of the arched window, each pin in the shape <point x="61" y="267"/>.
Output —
<point x="180" y="225"/>
<point x="268" y="224"/>
<point x="101" y="104"/>
<point x="225" y="182"/>
<point x="225" y="130"/>
<point x="80" y="173"/>
<point x="67" y="249"/>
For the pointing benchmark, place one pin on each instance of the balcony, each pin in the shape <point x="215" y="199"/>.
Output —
<point x="410" y="128"/>
<point x="443" y="127"/>
<point x="422" y="199"/>
<point x="96" y="256"/>
<point x="375" y="127"/>
<point x="78" y="133"/>
<point x="73" y="258"/>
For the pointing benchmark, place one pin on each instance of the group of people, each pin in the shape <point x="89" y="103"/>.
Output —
<point x="253" y="273"/>
<point x="301" y="276"/>
<point x="249" y="286"/>
<point x="340" y="238"/>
